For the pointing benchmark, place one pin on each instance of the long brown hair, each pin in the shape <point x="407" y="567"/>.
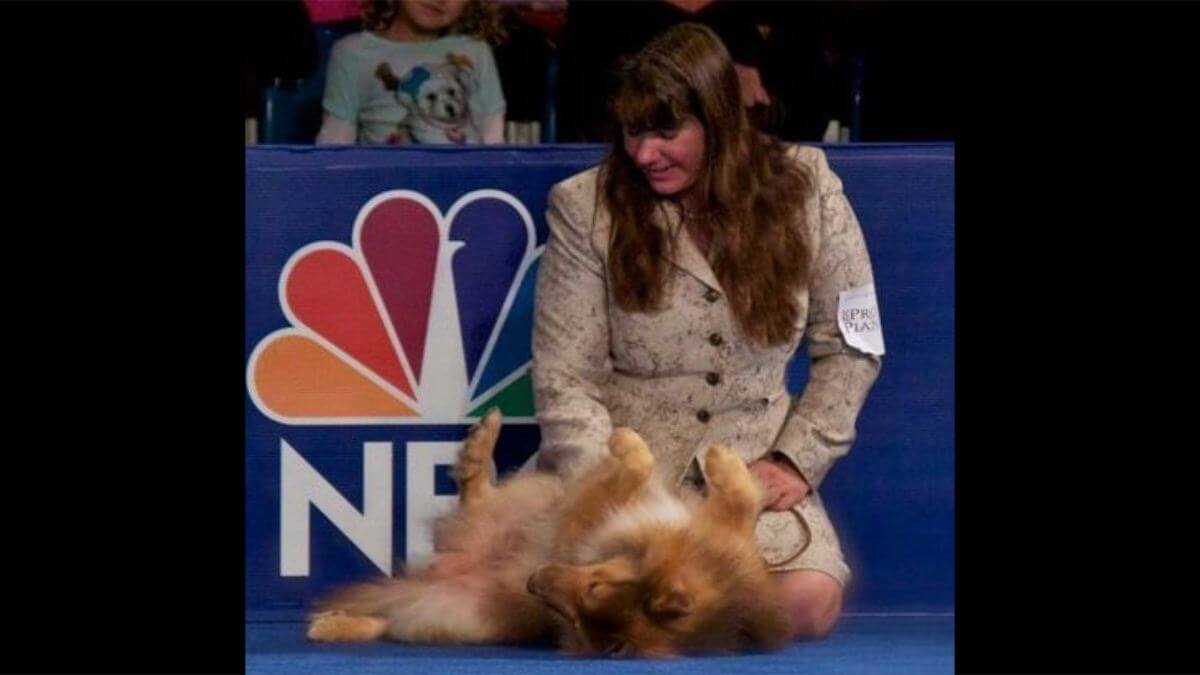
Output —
<point x="480" y="19"/>
<point x="750" y="193"/>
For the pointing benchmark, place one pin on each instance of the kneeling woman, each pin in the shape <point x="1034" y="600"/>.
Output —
<point x="679" y="279"/>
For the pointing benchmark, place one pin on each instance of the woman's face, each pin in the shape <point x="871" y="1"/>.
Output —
<point x="669" y="158"/>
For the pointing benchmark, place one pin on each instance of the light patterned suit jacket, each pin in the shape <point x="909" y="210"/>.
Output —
<point x="686" y="377"/>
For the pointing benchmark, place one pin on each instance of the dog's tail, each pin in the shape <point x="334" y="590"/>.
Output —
<point x="370" y="598"/>
<point x="420" y="610"/>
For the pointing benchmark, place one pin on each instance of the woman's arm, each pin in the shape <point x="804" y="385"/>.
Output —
<point x="820" y="426"/>
<point x="339" y="124"/>
<point x="570" y="340"/>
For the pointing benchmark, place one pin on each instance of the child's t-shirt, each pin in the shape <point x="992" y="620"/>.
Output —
<point x="422" y="92"/>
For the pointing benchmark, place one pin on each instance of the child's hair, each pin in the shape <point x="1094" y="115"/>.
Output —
<point x="481" y="19"/>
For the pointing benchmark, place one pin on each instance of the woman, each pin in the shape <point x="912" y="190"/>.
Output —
<point x="679" y="278"/>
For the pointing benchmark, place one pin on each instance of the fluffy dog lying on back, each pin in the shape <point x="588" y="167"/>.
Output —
<point x="608" y="563"/>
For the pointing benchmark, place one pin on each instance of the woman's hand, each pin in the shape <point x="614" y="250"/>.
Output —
<point x="782" y="485"/>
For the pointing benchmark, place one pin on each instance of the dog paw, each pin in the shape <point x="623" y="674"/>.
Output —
<point x="337" y="626"/>
<point x="481" y="437"/>
<point x="723" y="467"/>
<point x="488" y="424"/>
<point x="626" y="445"/>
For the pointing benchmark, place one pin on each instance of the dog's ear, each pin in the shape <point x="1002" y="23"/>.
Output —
<point x="669" y="602"/>
<point x="464" y="70"/>
<point x="460" y="61"/>
<point x="385" y="75"/>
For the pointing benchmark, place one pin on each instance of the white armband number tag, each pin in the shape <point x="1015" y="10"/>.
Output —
<point x="858" y="319"/>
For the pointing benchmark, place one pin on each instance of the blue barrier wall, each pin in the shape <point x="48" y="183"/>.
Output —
<point x="334" y="235"/>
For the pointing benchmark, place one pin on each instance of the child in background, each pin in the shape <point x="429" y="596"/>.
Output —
<point x="420" y="72"/>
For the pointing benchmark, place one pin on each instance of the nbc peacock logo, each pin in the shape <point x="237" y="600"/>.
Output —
<point x="425" y="318"/>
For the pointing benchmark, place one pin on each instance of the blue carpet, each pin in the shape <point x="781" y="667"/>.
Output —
<point x="877" y="644"/>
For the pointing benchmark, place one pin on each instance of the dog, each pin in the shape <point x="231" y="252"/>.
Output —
<point x="436" y="97"/>
<point x="608" y="563"/>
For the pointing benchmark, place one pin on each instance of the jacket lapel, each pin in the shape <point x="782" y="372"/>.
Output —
<point x="686" y="255"/>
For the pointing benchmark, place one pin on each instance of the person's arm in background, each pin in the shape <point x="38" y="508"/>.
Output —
<point x="493" y="128"/>
<point x="339" y="123"/>
<point x="335" y="131"/>
<point x="490" y="121"/>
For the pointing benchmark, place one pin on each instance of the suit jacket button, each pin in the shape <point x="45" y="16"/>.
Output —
<point x="703" y="416"/>
<point x="712" y="295"/>
<point x="713" y="378"/>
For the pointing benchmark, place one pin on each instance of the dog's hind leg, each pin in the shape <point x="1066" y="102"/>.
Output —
<point x="338" y="626"/>
<point x="626" y="477"/>
<point x="637" y="462"/>
<point x="473" y="471"/>
<point x="733" y="497"/>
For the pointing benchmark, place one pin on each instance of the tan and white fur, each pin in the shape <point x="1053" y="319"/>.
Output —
<point x="608" y="562"/>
